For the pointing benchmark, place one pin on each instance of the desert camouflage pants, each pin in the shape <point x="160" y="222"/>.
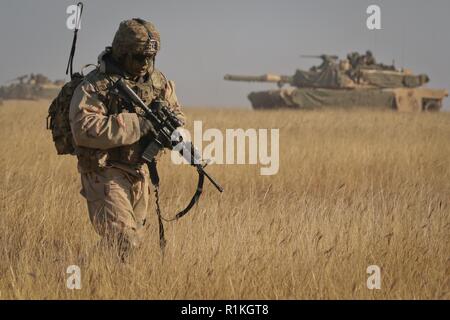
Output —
<point x="118" y="204"/>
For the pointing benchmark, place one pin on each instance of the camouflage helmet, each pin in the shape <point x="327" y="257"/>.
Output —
<point x="135" y="36"/>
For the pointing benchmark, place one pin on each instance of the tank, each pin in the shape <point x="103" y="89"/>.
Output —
<point x="31" y="87"/>
<point x="355" y="81"/>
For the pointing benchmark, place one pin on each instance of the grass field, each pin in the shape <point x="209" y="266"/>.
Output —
<point x="354" y="189"/>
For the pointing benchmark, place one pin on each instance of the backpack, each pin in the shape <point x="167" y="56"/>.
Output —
<point x="58" y="117"/>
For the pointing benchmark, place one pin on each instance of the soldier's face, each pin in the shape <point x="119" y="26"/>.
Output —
<point x="138" y="64"/>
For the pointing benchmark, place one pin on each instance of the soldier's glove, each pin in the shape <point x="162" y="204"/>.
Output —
<point x="146" y="128"/>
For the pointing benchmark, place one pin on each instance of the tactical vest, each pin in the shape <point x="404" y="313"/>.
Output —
<point x="95" y="159"/>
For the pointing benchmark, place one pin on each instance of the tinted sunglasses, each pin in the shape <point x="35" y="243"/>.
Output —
<point x="139" y="57"/>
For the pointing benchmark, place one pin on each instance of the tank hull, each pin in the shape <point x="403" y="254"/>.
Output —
<point x="401" y="99"/>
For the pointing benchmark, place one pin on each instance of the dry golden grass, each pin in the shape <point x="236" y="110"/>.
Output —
<point x="354" y="189"/>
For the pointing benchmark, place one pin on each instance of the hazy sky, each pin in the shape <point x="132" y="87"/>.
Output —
<point x="203" y="40"/>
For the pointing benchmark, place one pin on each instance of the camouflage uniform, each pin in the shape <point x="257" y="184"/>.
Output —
<point x="109" y="140"/>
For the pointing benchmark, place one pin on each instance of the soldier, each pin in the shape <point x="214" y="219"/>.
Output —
<point x="353" y="58"/>
<point x="109" y="138"/>
<point x="368" y="59"/>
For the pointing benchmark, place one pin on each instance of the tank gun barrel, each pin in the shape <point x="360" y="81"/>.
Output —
<point x="320" y="56"/>
<point x="20" y="78"/>
<point x="263" y="78"/>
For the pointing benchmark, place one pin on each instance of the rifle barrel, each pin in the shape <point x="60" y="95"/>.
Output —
<point x="218" y="187"/>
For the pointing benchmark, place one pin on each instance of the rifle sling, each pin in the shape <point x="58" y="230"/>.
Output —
<point x="195" y="197"/>
<point x="154" y="177"/>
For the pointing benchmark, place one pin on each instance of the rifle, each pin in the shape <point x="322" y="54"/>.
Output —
<point x="166" y="123"/>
